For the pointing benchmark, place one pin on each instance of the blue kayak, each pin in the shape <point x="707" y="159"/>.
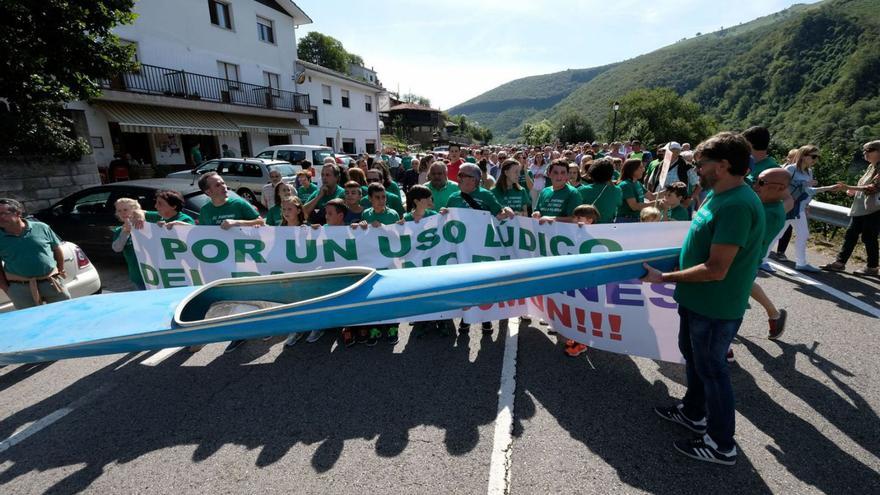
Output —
<point x="279" y="304"/>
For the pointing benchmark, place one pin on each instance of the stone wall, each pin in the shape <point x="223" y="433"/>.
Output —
<point x="38" y="182"/>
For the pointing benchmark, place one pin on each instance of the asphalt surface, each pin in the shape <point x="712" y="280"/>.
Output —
<point x="418" y="417"/>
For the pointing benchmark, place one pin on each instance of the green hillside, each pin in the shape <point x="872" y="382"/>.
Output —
<point x="809" y="72"/>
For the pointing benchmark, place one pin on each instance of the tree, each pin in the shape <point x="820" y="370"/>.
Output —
<point x="573" y="128"/>
<point x="53" y="52"/>
<point x="538" y="134"/>
<point x="659" y="116"/>
<point x="326" y="51"/>
<point x="417" y="99"/>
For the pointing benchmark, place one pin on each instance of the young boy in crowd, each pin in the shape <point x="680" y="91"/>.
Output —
<point x="582" y="215"/>
<point x="375" y="216"/>
<point x="672" y="207"/>
<point x="650" y="214"/>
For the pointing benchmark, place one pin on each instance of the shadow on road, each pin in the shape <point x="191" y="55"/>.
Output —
<point x="310" y="394"/>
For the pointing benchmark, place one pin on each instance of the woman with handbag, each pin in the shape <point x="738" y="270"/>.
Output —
<point x="864" y="215"/>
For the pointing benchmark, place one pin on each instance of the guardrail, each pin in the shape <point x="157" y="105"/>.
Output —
<point x="828" y="213"/>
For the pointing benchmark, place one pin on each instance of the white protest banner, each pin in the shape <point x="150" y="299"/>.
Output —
<point x="635" y="318"/>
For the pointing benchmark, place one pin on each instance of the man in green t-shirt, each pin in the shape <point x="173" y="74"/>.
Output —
<point x="330" y="189"/>
<point x="772" y="189"/>
<point x="30" y="253"/>
<point x="227" y="213"/>
<point x="759" y="141"/>
<point x="439" y="184"/>
<point x="718" y="264"/>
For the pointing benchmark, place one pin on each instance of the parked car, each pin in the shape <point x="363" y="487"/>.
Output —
<point x="81" y="278"/>
<point x="88" y="217"/>
<point x="296" y="153"/>
<point x="245" y="176"/>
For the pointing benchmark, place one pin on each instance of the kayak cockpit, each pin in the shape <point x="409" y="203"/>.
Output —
<point x="269" y="293"/>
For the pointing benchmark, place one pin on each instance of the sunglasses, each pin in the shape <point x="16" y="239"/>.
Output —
<point x="762" y="183"/>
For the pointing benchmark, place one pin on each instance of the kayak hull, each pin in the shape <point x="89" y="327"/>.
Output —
<point x="147" y="320"/>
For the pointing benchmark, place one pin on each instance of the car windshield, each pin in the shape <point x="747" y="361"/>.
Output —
<point x="265" y="154"/>
<point x="207" y="167"/>
<point x="285" y="169"/>
<point x="319" y="155"/>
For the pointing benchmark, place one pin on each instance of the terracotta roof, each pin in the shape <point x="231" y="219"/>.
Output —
<point x="412" y="106"/>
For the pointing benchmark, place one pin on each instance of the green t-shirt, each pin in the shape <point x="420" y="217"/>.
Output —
<point x="154" y="217"/>
<point x="29" y="254"/>
<point x="679" y="213"/>
<point x="605" y="197"/>
<point x="441" y="196"/>
<point x="273" y="217"/>
<point x="517" y="200"/>
<point x="387" y="217"/>
<point x="559" y="203"/>
<point x="340" y="193"/>
<point x="470" y="159"/>
<point x="758" y="167"/>
<point x="232" y="209"/>
<point x="131" y="262"/>
<point x="774" y="216"/>
<point x="733" y="217"/>
<point x="406" y="162"/>
<point x="630" y="189"/>
<point x="486" y="201"/>
<point x="392" y="200"/>
<point x="408" y="216"/>
<point x="304" y="193"/>
<point x="393" y="188"/>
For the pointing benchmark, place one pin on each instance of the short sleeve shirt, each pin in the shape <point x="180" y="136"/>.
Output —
<point x="485" y="200"/>
<point x="153" y="217"/>
<point x="758" y="167"/>
<point x="735" y="217"/>
<point x="232" y="209"/>
<point x="340" y="193"/>
<point x="304" y="193"/>
<point x="408" y="216"/>
<point x="30" y="253"/>
<point x="630" y="189"/>
<point x="441" y="196"/>
<point x="561" y="203"/>
<point x="273" y="217"/>
<point x="516" y="199"/>
<point x="679" y="213"/>
<point x="605" y="197"/>
<point x="774" y="215"/>
<point x="387" y="217"/>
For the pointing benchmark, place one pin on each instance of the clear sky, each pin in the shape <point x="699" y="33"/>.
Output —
<point x="452" y="50"/>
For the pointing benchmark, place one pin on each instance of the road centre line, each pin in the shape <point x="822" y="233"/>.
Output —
<point x="502" y="443"/>
<point x="160" y="356"/>
<point x="44" y="422"/>
<point x="843" y="296"/>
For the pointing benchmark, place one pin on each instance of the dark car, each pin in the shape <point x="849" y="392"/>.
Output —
<point x="88" y="217"/>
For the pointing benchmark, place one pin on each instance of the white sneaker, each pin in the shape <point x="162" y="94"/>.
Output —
<point x="292" y="339"/>
<point x="314" y="336"/>
<point x="807" y="268"/>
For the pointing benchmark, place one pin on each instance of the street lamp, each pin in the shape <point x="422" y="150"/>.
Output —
<point x="614" y="125"/>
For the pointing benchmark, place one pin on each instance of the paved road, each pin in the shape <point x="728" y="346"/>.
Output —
<point x="419" y="417"/>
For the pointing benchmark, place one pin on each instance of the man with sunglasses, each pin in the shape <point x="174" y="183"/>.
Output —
<point x="718" y="263"/>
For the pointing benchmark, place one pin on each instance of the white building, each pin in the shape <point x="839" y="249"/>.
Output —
<point x="212" y="72"/>
<point x="344" y="110"/>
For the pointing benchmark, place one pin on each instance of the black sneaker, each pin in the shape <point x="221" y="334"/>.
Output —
<point x="701" y="450"/>
<point x="777" y="326"/>
<point x="487" y="328"/>
<point x="235" y="344"/>
<point x="391" y="335"/>
<point x="676" y="415"/>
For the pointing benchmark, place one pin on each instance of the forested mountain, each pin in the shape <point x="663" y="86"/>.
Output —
<point x="811" y="73"/>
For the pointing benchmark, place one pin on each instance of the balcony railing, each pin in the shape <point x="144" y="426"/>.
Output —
<point x="153" y="80"/>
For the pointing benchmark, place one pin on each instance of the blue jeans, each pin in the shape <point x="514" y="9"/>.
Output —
<point x="704" y="343"/>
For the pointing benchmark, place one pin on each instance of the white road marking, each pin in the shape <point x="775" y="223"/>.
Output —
<point x="35" y="427"/>
<point x="502" y="443"/>
<point x="160" y="356"/>
<point x="843" y="296"/>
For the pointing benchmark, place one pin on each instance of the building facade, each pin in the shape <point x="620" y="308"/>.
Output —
<point x="212" y="73"/>
<point x="344" y="111"/>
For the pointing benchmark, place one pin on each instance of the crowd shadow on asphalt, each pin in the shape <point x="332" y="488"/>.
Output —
<point x="22" y="372"/>
<point x="609" y="410"/>
<point x="312" y="393"/>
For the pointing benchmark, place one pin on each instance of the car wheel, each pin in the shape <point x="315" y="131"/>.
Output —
<point x="248" y="196"/>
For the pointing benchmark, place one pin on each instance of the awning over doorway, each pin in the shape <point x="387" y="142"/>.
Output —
<point x="268" y="125"/>
<point x="164" y="120"/>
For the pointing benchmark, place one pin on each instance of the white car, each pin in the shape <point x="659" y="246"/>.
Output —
<point x="245" y="176"/>
<point x="296" y="153"/>
<point x="82" y="278"/>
